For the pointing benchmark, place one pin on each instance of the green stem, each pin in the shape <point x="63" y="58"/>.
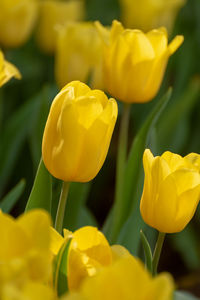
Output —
<point x="157" y="251"/>
<point x="121" y="161"/>
<point x="61" y="207"/>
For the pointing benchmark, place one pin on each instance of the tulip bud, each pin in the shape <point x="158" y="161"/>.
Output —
<point x="78" y="132"/>
<point x="171" y="191"/>
<point x="7" y="70"/>
<point x="134" y="62"/>
<point x="54" y="14"/>
<point x="149" y="14"/>
<point x="17" y="19"/>
<point x="79" y="54"/>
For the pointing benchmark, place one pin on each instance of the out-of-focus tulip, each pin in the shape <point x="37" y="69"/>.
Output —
<point x="29" y="290"/>
<point x="171" y="191"/>
<point x="150" y="14"/>
<point x="25" y="247"/>
<point x="125" y="279"/>
<point x="17" y="19"/>
<point x="134" y="62"/>
<point x="89" y="251"/>
<point x="7" y="70"/>
<point x="78" y="132"/>
<point x="53" y="14"/>
<point x="79" y="55"/>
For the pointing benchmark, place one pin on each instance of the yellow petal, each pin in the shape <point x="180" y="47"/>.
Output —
<point x="175" y="44"/>
<point x="36" y="224"/>
<point x="56" y="241"/>
<point x="159" y="40"/>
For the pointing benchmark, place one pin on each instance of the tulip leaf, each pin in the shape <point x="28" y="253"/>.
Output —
<point x="179" y="295"/>
<point x="77" y="197"/>
<point x="13" y="135"/>
<point x="133" y="165"/>
<point x="131" y="188"/>
<point x="181" y="240"/>
<point x="41" y="193"/>
<point x="12" y="197"/>
<point x="173" y="127"/>
<point x="60" y="269"/>
<point x="147" y="252"/>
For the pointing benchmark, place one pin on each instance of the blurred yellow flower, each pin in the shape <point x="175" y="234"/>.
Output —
<point x="78" y="132"/>
<point x="28" y="291"/>
<point x="25" y="247"/>
<point x="150" y="14"/>
<point x="134" y="62"/>
<point x="53" y="14"/>
<point x="79" y="55"/>
<point x="125" y="279"/>
<point x="17" y="19"/>
<point x="7" y="70"/>
<point x="89" y="252"/>
<point x="171" y="191"/>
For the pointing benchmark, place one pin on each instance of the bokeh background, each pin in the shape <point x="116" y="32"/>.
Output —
<point x="24" y="107"/>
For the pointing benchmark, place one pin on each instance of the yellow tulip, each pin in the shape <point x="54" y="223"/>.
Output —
<point x="29" y="290"/>
<point x="78" y="132"/>
<point x="7" y="70"/>
<point x="171" y="191"/>
<point x="53" y="14"/>
<point x="79" y="55"/>
<point x="17" y="19"/>
<point x="125" y="279"/>
<point x="149" y="14"/>
<point x="25" y="247"/>
<point x="89" y="251"/>
<point x="134" y="62"/>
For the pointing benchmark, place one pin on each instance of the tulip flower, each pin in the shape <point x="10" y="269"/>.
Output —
<point x="89" y="251"/>
<point x="7" y="70"/>
<point x="78" y="132"/>
<point x="134" y="62"/>
<point x="79" y="55"/>
<point x="125" y="279"/>
<point x="53" y="14"/>
<point x="17" y="19"/>
<point x="149" y="14"/>
<point x="171" y="191"/>
<point x="25" y="247"/>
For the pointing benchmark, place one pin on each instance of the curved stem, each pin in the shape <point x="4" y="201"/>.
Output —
<point x="121" y="161"/>
<point x="157" y="251"/>
<point x="61" y="207"/>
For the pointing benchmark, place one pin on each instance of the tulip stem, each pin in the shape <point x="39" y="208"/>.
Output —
<point x="121" y="161"/>
<point x="61" y="207"/>
<point x="157" y="251"/>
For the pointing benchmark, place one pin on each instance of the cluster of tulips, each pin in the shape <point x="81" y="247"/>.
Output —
<point x="42" y="260"/>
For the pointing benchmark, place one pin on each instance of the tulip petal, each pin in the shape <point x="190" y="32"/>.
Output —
<point x="185" y="179"/>
<point x="36" y="224"/>
<point x="187" y="205"/>
<point x="173" y="160"/>
<point x="159" y="40"/>
<point x="175" y="44"/>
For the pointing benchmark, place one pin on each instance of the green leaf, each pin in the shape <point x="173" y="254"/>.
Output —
<point x="134" y="161"/>
<point x="12" y="197"/>
<point x="131" y="186"/>
<point x="179" y="295"/>
<point x="147" y="252"/>
<point x="173" y="128"/>
<point x="41" y="193"/>
<point x="13" y="136"/>
<point x="77" y="197"/>
<point x="181" y="241"/>
<point x="60" y="269"/>
<point x="86" y="218"/>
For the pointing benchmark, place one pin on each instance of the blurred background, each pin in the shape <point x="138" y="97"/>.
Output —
<point x="35" y="36"/>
